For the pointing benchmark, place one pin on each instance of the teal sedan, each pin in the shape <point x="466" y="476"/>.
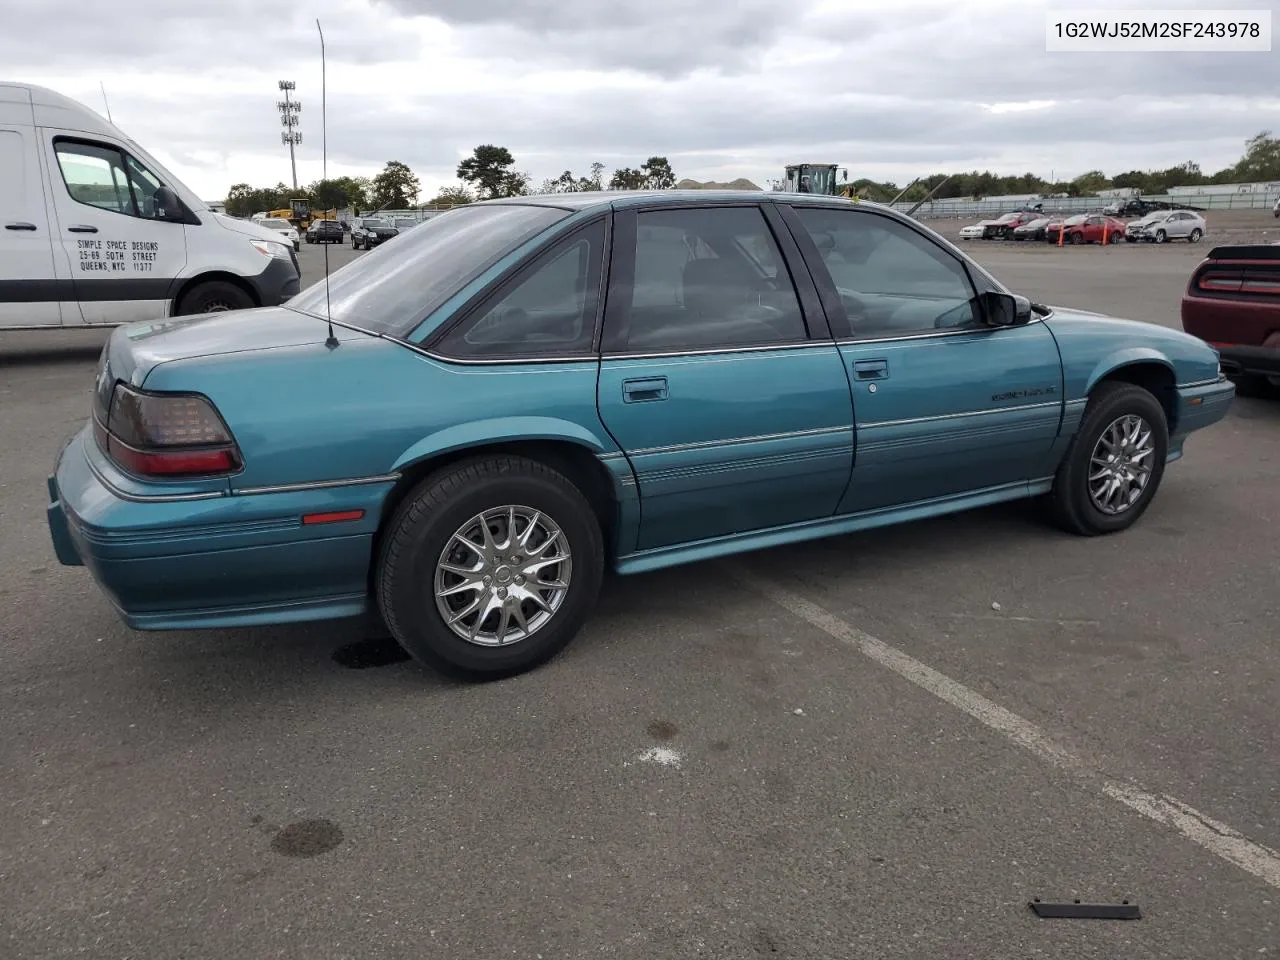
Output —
<point x="462" y="431"/>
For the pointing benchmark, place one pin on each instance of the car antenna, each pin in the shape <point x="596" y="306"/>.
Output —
<point x="105" y="102"/>
<point x="332" y="341"/>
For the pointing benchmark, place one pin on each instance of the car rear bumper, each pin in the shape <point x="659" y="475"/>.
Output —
<point x="1243" y="361"/>
<point x="221" y="560"/>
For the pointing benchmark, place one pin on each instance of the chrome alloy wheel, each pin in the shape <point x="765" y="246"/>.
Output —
<point x="503" y="575"/>
<point x="1121" y="464"/>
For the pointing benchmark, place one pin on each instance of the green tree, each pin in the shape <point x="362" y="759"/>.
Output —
<point x="1088" y="184"/>
<point x="338" y="192"/>
<point x="244" y="200"/>
<point x="488" y="169"/>
<point x="625" y="178"/>
<point x="453" y="197"/>
<point x="658" y="174"/>
<point x="1261" y="160"/>
<point x="396" y="187"/>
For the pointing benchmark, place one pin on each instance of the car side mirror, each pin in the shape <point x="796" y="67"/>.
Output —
<point x="168" y="206"/>
<point x="1004" y="309"/>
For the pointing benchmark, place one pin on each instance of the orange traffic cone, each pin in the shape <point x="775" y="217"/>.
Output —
<point x="1104" y="232"/>
<point x="1062" y="231"/>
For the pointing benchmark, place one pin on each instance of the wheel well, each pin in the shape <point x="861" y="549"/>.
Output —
<point x="1155" y="378"/>
<point x="576" y="462"/>
<point x="231" y="278"/>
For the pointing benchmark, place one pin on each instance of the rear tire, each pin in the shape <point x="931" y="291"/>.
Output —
<point x="1195" y="235"/>
<point x="423" y="555"/>
<point x="213" y="296"/>
<point x="1094" y="495"/>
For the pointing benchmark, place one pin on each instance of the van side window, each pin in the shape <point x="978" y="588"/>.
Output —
<point x="104" y="177"/>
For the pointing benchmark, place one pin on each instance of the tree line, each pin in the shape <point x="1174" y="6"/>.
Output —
<point x="1260" y="162"/>
<point x="490" y="172"/>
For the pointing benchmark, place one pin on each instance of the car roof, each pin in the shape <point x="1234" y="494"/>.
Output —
<point x="587" y="200"/>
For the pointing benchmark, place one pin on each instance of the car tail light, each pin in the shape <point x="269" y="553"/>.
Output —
<point x="166" y="435"/>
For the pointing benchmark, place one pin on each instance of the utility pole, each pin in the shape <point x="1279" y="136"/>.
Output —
<point x="289" y="110"/>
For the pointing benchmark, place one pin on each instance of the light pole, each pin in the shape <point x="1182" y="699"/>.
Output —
<point x="289" y="110"/>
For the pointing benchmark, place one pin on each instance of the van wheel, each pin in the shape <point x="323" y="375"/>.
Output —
<point x="490" y="567"/>
<point x="1114" y="464"/>
<point x="215" y="296"/>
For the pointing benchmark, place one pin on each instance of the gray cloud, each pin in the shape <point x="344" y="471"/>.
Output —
<point x="712" y="84"/>
<point x="668" y="38"/>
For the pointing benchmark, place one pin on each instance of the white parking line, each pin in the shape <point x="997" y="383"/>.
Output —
<point x="1217" y="838"/>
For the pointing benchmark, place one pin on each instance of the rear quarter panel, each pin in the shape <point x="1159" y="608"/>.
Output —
<point x="371" y="407"/>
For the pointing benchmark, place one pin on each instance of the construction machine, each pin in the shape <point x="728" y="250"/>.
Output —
<point x="816" y="178"/>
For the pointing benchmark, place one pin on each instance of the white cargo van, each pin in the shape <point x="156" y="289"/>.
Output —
<point x="95" y="232"/>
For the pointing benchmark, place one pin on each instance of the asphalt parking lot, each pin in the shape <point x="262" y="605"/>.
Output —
<point x="881" y="745"/>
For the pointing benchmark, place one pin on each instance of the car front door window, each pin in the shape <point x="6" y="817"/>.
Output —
<point x="891" y="280"/>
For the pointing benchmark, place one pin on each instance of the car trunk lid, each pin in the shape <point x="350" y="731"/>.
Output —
<point x="135" y="349"/>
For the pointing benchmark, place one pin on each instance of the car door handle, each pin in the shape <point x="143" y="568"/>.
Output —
<point x="640" y="391"/>
<point x="82" y="228"/>
<point x="870" y="369"/>
<point x="19" y="226"/>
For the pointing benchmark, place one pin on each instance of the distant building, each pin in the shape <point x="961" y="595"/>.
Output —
<point x="1223" y="189"/>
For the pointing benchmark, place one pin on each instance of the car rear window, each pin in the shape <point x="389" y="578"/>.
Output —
<point x="395" y="286"/>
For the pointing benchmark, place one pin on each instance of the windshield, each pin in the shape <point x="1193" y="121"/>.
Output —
<point x="373" y="223"/>
<point x="280" y="225"/>
<point x="394" y="287"/>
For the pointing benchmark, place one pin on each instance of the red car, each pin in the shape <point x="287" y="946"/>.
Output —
<point x="1088" y="229"/>
<point x="1233" y="303"/>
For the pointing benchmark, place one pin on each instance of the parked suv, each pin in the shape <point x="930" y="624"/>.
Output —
<point x="1176" y="225"/>
<point x="368" y="232"/>
<point x="325" y="231"/>
<point x="1233" y="302"/>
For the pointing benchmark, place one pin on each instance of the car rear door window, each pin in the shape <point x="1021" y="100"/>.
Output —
<point x="549" y="309"/>
<point x="892" y="281"/>
<point x="708" y="278"/>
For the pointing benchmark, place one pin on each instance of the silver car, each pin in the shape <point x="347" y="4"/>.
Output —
<point x="1174" y="225"/>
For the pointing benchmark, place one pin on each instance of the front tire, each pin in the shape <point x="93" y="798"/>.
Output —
<point x="489" y="568"/>
<point x="214" y="296"/>
<point x="1161" y="236"/>
<point x="1114" y="464"/>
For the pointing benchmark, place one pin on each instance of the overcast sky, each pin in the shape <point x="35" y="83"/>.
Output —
<point x="890" y="89"/>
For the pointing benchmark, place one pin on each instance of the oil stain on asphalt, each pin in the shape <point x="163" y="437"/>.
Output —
<point x="307" y="838"/>
<point x="363" y="654"/>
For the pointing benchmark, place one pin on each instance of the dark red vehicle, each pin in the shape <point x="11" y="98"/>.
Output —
<point x="1233" y="303"/>
<point x="1002" y="228"/>
<point x="1095" y="228"/>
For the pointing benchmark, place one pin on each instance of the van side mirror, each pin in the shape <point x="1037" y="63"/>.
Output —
<point x="169" y="207"/>
<point x="1004" y="310"/>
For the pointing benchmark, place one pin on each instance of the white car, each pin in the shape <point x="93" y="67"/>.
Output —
<point x="283" y="227"/>
<point x="976" y="231"/>
<point x="1168" y="225"/>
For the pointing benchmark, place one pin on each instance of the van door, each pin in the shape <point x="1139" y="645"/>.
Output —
<point x="126" y="263"/>
<point x="28" y="286"/>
